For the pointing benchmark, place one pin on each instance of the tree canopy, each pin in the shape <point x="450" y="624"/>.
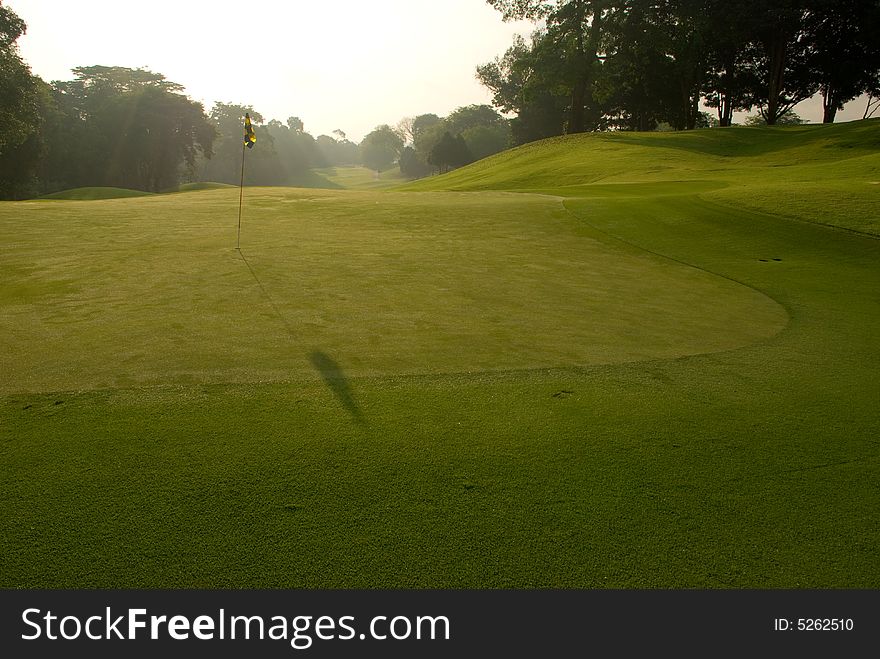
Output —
<point x="19" y="111"/>
<point x="381" y="148"/>
<point x="588" y="65"/>
<point x="637" y="64"/>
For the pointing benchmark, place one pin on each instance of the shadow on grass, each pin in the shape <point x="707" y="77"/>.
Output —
<point x="335" y="378"/>
<point x="329" y="369"/>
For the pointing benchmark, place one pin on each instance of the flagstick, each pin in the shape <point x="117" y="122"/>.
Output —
<point x="240" y="197"/>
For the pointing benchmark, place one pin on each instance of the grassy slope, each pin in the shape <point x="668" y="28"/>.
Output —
<point x="95" y="193"/>
<point x="360" y="178"/>
<point x="754" y="466"/>
<point x="824" y="174"/>
<point x="196" y="187"/>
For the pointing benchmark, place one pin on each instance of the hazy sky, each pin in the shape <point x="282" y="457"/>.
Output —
<point x="347" y="64"/>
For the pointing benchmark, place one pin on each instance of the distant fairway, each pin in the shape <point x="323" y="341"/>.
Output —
<point x="600" y="361"/>
<point x="361" y="178"/>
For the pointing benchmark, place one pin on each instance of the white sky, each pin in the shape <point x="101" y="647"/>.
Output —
<point x="347" y="64"/>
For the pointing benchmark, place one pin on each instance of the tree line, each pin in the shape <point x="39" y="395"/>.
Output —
<point x="636" y="64"/>
<point x="589" y="65"/>
<point x="133" y="128"/>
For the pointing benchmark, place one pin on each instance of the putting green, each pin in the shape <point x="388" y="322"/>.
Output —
<point x="150" y="291"/>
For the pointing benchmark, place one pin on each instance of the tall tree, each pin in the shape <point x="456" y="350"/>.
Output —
<point x="575" y="27"/>
<point x="471" y="116"/>
<point x="780" y="55"/>
<point x="483" y="130"/>
<point x="728" y="33"/>
<point x="296" y="150"/>
<point x="526" y="81"/>
<point x="335" y="152"/>
<point x="262" y="167"/>
<point x="449" y="152"/>
<point x="844" y="38"/>
<point x="427" y="131"/>
<point x="381" y="148"/>
<point x="127" y="128"/>
<point x="19" y="111"/>
<point x="404" y="128"/>
<point x="411" y="165"/>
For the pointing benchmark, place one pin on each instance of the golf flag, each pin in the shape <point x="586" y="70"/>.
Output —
<point x="249" y="137"/>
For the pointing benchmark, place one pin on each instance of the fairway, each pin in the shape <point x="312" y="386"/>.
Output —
<point x="603" y="361"/>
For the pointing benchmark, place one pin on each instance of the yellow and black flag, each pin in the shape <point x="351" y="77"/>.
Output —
<point x="250" y="137"/>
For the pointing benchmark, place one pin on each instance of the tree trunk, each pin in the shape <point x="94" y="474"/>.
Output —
<point x="578" y="99"/>
<point x="725" y="111"/>
<point x="776" y="50"/>
<point x="588" y="54"/>
<point x="725" y="102"/>
<point x="693" y="112"/>
<point x="829" y="105"/>
<point x="871" y="107"/>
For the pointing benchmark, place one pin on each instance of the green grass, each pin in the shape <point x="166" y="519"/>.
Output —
<point x="95" y="193"/>
<point x="204" y="185"/>
<point x="626" y="375"/>
<point x="828" y="174"/>
<point x="360" y="178"/>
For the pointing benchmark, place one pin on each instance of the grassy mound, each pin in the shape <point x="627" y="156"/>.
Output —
<point x="634" y="372"/>
<point x="204" y="185"/>
<point x="96" y="193"/>
<point x="826" y="174"/>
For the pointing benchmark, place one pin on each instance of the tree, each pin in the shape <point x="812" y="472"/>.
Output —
<point x="525" y="81"/>
<point x="337" y="152"/>
<point x="295" y="124"/>
<point x="651" y="73"/>
<point x="124" y="127"/>
<point x="296" y="150"/>
<point x="779" y="56"/>
<point x="411" y="165"/>
<point x="263" y="165"/>
<point x="472" y="116"/>
<point x="575" y="29"/>
<point x="427" y="131"/>
<point x="449" y="152"/>
<point x="687" y="35"/>
<point x="381" y="148"/>
<point x="483" y="141"/>
<point x="405" y="129"/>
<point x="19" y="111"/>
<point x="845" y="50"/>
<point x="873" y="92"/>
<point x="483" y="130"/>
<point x="728" y="35"/>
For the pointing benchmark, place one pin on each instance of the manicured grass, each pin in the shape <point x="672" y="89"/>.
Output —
<point x="361" y="178"/>
<point x="630" y="384"/>
<point x="204" y="185"/>
<point x="147" y="292"/>
<point x="828" y="174"/>
<point x="91" y="194"/>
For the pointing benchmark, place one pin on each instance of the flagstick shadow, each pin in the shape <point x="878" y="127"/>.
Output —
<point x="330" y="370"/>
<point x="268" y="298"/>
<point x="335" y="379"/>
